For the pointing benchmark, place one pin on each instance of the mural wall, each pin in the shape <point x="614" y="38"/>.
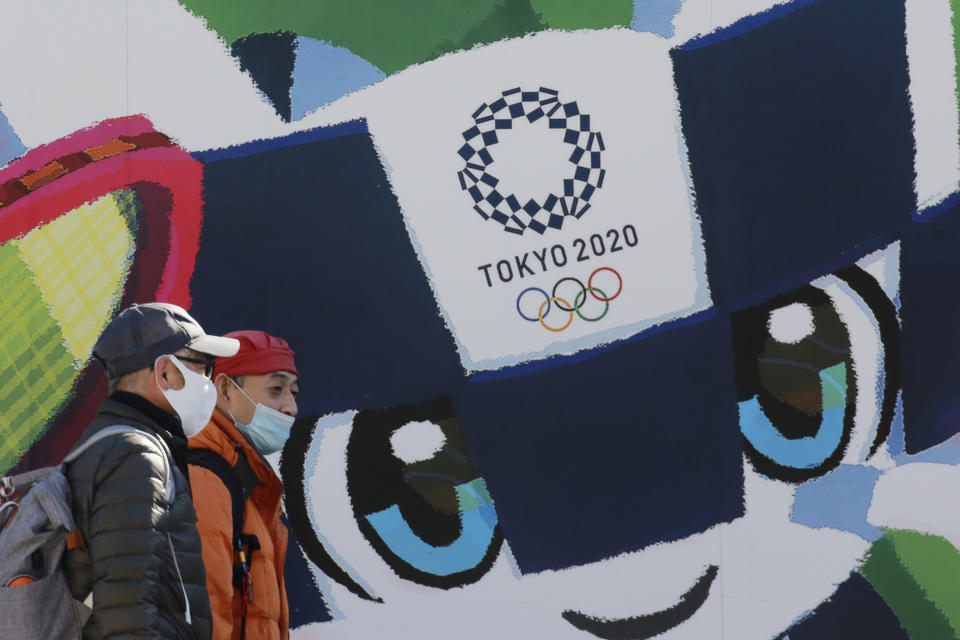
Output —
<point x="615" y="319"/>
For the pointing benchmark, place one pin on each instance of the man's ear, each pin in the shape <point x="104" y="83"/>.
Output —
<point x="160" y="373"/>
<point x="168" y="375"/>
<point x="222" y="382"/>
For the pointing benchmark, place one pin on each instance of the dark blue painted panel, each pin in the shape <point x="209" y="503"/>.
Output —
<point x="611" y="453"/>
<point x="269" y="59"/>
<point x="930" y="320"/>
<point x="305" y="603"/>
<point x="800" y="140"/>
<point x="303" y="238"/>
<point x="854" y="611"/>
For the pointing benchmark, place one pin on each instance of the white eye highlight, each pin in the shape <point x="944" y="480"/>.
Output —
<point x="791" y="324"/>
<point x="417" y="441"/>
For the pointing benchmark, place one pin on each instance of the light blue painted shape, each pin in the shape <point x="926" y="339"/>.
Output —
<point x="839" y="500"/>
<point x="466" y="552"/>
<point x="323" y="72"/>
<point x="655" y="16"/>
<point x="896" y="441"/>
<point x="799" y="453"/>
<point x="10" y="145"/>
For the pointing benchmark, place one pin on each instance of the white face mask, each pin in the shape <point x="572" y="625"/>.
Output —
<point x="268" y="429"/>
<point x="194" y="403"/>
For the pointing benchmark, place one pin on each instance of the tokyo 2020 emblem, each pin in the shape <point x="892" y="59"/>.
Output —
<point x="519" y="212"/>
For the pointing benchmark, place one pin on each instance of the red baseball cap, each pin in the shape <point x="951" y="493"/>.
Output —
<point x="259" y="354"/>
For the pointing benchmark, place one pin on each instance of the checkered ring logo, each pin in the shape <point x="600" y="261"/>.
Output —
<point x="517" y="212"/>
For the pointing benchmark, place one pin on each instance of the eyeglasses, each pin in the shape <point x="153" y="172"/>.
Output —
<point x="207" y="364"/>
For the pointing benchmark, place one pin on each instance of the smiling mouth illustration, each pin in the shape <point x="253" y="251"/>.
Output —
<point x="651" y="624"/>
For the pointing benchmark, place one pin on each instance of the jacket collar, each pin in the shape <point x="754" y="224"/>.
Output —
<point x="135" y="407"/>
<point x="222" y="436"/>
<point x="163" y="419"/>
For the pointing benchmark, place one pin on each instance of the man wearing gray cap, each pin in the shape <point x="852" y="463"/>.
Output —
<point x="140" y="557"/>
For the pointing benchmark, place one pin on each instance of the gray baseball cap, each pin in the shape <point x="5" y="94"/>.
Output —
<point x="143" y="332"/>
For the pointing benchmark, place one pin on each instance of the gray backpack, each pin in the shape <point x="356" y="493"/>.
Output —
<point x="36" y="529"/>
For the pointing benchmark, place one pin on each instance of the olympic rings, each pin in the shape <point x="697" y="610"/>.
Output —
<point x="577" y="304"/>
<point x="553" y="294"/>
<point x="604" y="298"/>
<point x="546" y="297"/>
<point x="542" y="314"/>
<point x="578" y="301"/>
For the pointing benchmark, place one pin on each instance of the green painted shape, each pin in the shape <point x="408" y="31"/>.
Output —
<point x="955" y="22"/>
<point x="394" y="34"/>
<point x="130" y="208"/>
<point x="934" y="563"/>
<point x="390" y="34"/>
<point x="577" y="14"/>
<point x="475" y="497"/>
<point x="832" y="396"/>
<point x="36" y="369"/>
<point x="512" y="19"/>
<point x="920" y="617"/>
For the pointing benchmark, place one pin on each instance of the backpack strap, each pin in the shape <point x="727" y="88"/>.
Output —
<point x="240" y="482"/>
<point x="74" y="538"/>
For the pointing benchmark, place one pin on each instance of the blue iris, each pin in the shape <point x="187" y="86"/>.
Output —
<point x="800" y="453"/>
<point x="478" y="519"/>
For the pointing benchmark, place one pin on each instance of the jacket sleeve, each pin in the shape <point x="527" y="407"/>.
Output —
<point x="119" y="501"/>
<point x="215" y="522"/>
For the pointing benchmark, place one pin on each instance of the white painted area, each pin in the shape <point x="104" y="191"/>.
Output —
<point x="531" y="159"/>
<point x="921" y="496"/>
<point x="866" y="352"/>
<point x="774" y="570"/>
<point x="884" y="266"/>
<point x="417" y="441"/>
<point x="418" y="131"/>
<point x="791" y="324"/>
<point x="700" y="17"/>
<point x="71" y="64"/>
<point x="930" y="54"/>
<point x="331" y="513"/>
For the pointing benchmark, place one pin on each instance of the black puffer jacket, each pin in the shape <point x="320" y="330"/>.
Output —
<point x="120" y="507"/>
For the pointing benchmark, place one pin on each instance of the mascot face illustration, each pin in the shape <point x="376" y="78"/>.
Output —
<point x="718" y="454"/>
<point x="404" y="515"/>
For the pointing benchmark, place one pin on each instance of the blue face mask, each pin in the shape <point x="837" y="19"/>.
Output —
<point x="268" y="429"/>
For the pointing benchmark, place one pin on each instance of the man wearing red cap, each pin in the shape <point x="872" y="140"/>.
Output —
<point x="237" y="494"/>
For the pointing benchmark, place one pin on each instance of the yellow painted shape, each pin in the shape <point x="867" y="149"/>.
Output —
<point x="80" y="262"/>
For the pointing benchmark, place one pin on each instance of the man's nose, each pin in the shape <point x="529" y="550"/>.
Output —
<point x="289" y="406"/>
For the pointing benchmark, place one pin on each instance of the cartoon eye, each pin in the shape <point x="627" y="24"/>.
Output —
<point x="817" y="375"/>
<point x="397" y="485"/>
<point x="417" y="496"/>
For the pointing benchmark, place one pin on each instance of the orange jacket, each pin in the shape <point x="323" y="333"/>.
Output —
<point x="267" y="610"/>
